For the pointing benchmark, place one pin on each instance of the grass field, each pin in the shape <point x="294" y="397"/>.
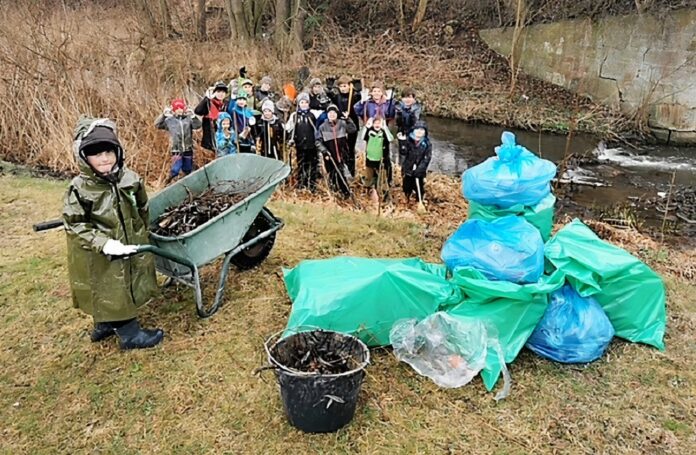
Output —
<point x="197" y="393"/>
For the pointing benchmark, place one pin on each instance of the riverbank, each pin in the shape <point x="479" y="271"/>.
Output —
<point x="54" y="82"/>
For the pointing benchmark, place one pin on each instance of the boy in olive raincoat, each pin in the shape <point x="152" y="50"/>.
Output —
<point x="105" y="214"/>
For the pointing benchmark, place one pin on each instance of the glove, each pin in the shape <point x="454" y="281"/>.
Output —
<point x="368" y="123"/>
<point x="168" y="112"/>
<point x="209" y="93"/>
<point x="401" y="136"/>
<point x="243" y="72"/>
<point x="357" y="85"/>
<point x="252" y="121"/>
<point x="291" y="143"/>
<point x="389" y="93"/>
<point x="116" y="248"/>
<point x="330" y="81"/>
<point x="364" y="95"/>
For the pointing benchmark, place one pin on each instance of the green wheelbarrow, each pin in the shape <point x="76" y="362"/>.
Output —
<point x="243" y="234"/>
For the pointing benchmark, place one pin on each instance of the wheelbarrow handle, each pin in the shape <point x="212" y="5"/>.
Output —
<point x="46" y="225"/>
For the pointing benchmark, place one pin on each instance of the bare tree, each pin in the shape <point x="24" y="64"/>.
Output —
<point x="201" y="25"/>
<point x="420" y="14"/>
<point x="282" y="17"/>
<point x="166" y="18"/>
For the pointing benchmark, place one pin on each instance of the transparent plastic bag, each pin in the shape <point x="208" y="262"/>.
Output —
<point x="449" y="350"/>
<point x="514" y="176"/>
<point x="506" y="249"/>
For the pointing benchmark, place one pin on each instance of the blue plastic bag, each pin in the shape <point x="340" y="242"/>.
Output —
<point x="574" y="329"/>
<point x="514" y="176"/>
<point x="506" y="249"/>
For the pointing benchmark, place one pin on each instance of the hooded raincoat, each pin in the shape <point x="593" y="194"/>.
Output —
<point x="226" y="145"/>
<point x="97" y="209"/>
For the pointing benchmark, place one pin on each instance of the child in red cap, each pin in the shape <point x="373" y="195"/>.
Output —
<point x="180" y="122"/>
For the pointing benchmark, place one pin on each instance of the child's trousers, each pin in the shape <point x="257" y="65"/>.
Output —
<point x="181" y="162"/>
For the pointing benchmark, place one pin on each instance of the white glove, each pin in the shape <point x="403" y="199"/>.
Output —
<point x="364" y="95"/>
<point x="368" y="123"/>
<point x="389" y="93"/>
<point x="401" y="136"/>
<point x="252" y="121"/>
<point x="209" y="93"/>
<point x="116" y="248"/>
<point x="168" y="112"/>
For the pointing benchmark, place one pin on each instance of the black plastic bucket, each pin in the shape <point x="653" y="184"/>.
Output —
<point x="316" y="401"/>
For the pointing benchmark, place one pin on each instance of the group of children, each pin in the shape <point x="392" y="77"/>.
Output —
<point x="330" y="124"/>
<point x="105" y="210"/>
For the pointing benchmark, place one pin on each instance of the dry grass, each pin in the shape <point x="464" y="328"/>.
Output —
<point x="197" y="393"/>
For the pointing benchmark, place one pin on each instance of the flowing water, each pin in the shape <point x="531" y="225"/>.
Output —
<point x="627" y="176"/>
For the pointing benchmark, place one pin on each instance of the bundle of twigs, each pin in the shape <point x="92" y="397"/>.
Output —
<point x="198" y="210"/>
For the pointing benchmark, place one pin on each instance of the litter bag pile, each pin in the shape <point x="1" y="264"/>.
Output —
<point x="574" y="329"/>
<point x="506" y="249"/>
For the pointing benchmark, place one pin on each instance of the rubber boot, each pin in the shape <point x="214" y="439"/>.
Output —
<point x="102" y="331"/>
<point x="132" y="336"/>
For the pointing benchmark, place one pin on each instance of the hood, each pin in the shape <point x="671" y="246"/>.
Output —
<point x="419" y="124"/>
<point x="222" y="116"/>
<point x="90" y="132"/>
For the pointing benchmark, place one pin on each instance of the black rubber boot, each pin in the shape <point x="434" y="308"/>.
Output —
<point x="102" y="331"/>
<point x="132" y="336"/>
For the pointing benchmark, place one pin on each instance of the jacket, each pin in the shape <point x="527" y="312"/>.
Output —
<point x="333" y="138"/>
<point x="96" y="209"/>
<point x="377" y="144"/>
<point x="415" y="156"/>
<point x="302" y="129"/>
<point x="203" y="109"/>
<point x="341" y="101"/>
<point x="372" y="109"/>
<point x="406" y="117"/>
<point x="225" y="145"/>
<point x="240" y="117"/>
<point x="270" y="135"/>
<point x="180" y="130"/>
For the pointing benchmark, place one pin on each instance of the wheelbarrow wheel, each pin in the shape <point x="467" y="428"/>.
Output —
<point x="250" y="257"/>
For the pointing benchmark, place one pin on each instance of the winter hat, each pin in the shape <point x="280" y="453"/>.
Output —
<point x="333" y="107"/>
<point x="302" y="96"/>
<point x="99" y="139"/>
<point x="266" y="80"/>
<point x="314" y="81"/>
<point x="284" y="104"/>
<point x="178" y="104"/>
<point x="420" y="124"/>
<point x="220" y="86"/>
<point x="267" y="105"/>
<point x="241" y="95"/>
<point x="343" y="80"/>
<point x="247" y="82"/>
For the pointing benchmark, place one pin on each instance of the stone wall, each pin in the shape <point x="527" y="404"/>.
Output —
<point x="644" y="64"/>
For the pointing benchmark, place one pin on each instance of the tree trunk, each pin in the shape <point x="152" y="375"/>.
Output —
<point x="282" y="16"/>
<point x="230" y="18"/>
<point x="201" y="19"/>
<point x="420" y="14"/>
<point x="166" y="18"/>
<point x="298" y="19"/>
<point x="240" y="20"/>
<point x="149" y="16"/>
<point x="520" y="19"/>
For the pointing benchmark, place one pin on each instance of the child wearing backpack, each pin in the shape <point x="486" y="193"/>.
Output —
<point x="105" y="214"/>
<point x="179" y="123"/>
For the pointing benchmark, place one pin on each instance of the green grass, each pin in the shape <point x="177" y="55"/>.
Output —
<point x="197" y="393"/>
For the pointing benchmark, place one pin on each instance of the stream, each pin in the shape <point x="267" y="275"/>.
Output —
<point x="634" y="183"/>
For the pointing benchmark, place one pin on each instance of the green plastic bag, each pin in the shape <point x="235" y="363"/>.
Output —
<point x="632" y="294"/>
<point x="365" y="297"/>
<point x="540" y="215"/>
<point x="513" y="310"/>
